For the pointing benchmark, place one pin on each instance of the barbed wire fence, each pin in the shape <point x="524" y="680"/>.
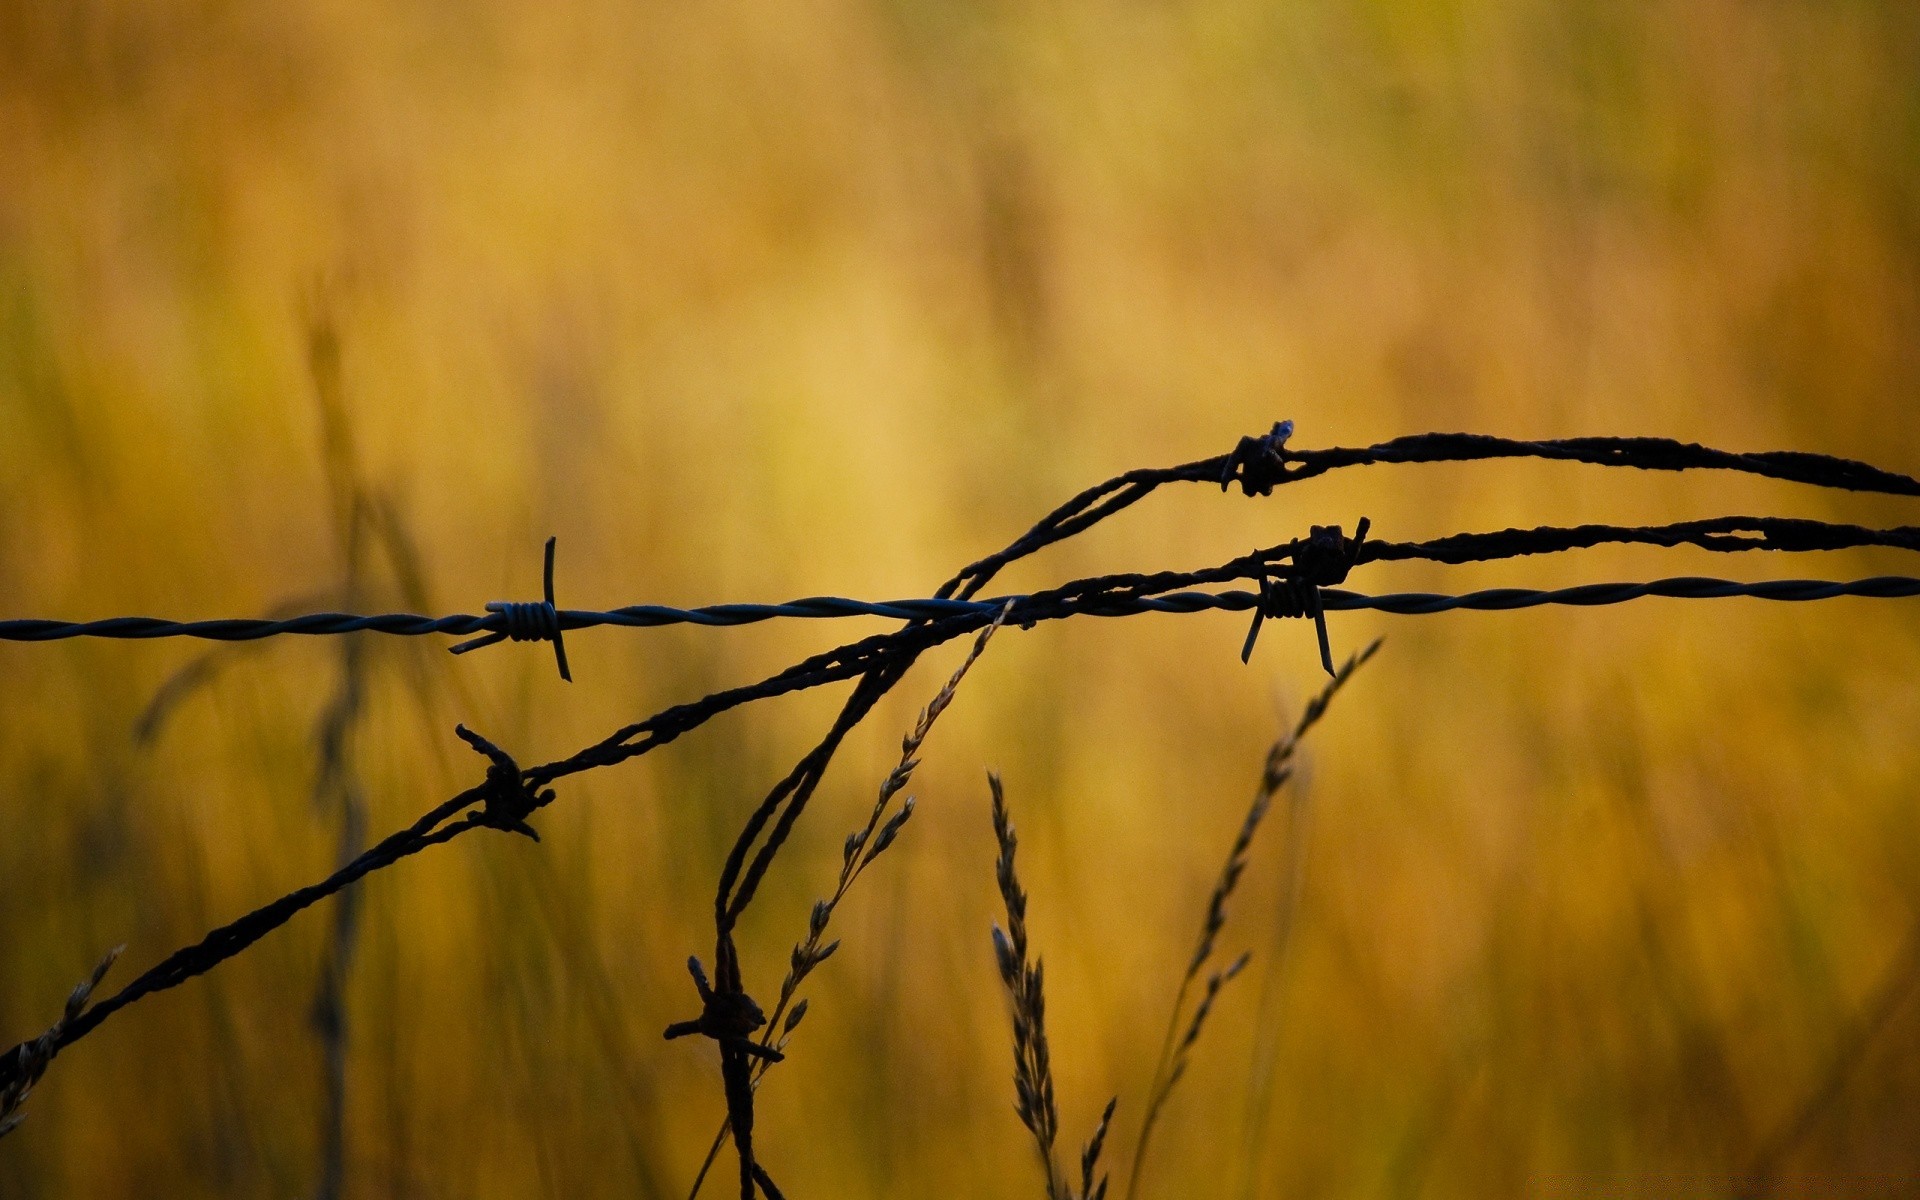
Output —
<point x="1294" y="579"/>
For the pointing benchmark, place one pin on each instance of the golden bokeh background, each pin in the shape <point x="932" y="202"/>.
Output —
<point x="761" y="300"/>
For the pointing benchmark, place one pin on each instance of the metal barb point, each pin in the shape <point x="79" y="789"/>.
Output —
<point x="1259" y="617"/>
<point x="1326" y="650"/>
<point x="527" y="621"/>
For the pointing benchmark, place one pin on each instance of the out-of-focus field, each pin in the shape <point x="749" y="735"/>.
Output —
<point x="762" y="300"/>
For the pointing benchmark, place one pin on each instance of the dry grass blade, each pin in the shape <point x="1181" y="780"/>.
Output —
<point x="1090" y="1156"/>
<point x="1175" y="1048"/>
<point x="1025" y="981"/>
<point x="29" y="1060"/>
<point x="861" y="848"/>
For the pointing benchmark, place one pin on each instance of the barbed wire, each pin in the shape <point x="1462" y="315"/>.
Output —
<point x="1296" y="579"/>
<point x="1724" y="534"/>
<point x="1403" y="603"/>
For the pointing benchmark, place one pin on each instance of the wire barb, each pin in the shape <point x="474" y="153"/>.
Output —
<point x="527" y="621"/>
<point x="729" y="1016"/>
<point x="1260" y="461"/>
<point x="726" y="1016"/>
<point x="510" y="799"/>
<point x="1323" y="560"/>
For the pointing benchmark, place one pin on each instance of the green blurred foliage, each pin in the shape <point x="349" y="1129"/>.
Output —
<point x="772" y="299"/>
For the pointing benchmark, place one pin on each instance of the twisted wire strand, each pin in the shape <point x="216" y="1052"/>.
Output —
<point x="530" y="621"/>
<point x="635" y="616"/>
<point x="1647" y="454"/>
<point x="1590" y="595"/>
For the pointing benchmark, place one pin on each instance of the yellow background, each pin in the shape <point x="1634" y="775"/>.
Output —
<point x="759" y="300"/>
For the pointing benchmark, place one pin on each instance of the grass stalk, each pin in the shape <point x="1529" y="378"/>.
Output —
<point x="1025" y="980"/>
<point x="1175" y="1047"/>
<point x="27" y="1062"/>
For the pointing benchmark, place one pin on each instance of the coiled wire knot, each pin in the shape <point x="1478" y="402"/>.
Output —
<point x="527" y="621"/>
<point x="1322" y="560"/>
<point x="509" y="798"/>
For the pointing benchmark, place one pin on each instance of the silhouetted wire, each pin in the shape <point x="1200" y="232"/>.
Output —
<point x="1723" y="534"/>
<point x="1649" y="454"/>
<point x="1258" y="464"/>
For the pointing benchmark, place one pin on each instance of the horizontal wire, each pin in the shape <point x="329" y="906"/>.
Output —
<point x="829" y="607"/>
<point x="465" y="624"/>
<point x="1721" y="534"/>
<point x="1589" y="595"/>
<point x="1886" y="587"/>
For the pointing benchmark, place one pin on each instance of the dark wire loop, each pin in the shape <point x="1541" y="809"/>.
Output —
<point x="510" y="800"/>
<point x="1261" y="461"/>
<point x="1322" y="560"/>
<point x="527" y="621"/>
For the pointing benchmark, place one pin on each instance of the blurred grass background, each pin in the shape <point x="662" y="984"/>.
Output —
<point x="760" y="300"/>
